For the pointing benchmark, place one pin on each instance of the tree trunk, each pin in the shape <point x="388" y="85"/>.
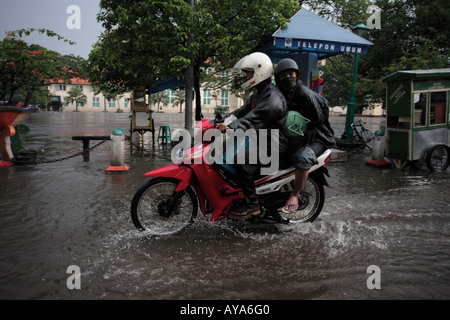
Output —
<point x="189" y="86"/>
<point x="198" y="102"/>
<point x="27" y="99"/>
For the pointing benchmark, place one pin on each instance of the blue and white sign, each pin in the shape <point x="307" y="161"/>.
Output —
<point x="319" y="46"/>
<point x="307" y="32"/>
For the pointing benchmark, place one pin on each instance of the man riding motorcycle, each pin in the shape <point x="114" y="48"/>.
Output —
<point x="265" y="109"/>
<point x="319" y="136"/>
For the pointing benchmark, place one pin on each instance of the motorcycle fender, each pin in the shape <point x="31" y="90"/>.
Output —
<point x="183" y="174"/>
<point x="321" y="173"/>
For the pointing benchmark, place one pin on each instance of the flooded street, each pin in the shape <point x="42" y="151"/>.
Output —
<point x="71" y="212"/>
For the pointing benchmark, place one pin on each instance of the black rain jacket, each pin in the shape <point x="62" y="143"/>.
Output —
<point x="315" y="108"/>
<point x="265" y="109"/>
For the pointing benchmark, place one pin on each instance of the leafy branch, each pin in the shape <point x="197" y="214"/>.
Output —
<point x="26" y="32"/>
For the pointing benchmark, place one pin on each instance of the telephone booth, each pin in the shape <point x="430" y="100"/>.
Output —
<point x="418" y="121"/>
<point x="142" y="120"/>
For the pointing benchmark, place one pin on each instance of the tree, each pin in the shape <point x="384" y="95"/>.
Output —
<point x="160" y="97"/>
<point x="337" y="79"/>
<point x="75" y="65"/>
<point x="76" y="96"/>
<point x="151" y="40"/>
<point x="414" y="35"/>
<point x="345" y="13"/>
<point x="111" y="96"/>
<point x="26" y="68"/>
<point x="179" y="99"/>
<point x="127" y="54"/>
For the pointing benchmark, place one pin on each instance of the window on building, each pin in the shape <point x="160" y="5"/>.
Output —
<point x="207" y="97"/>
<point x="171" y="94"/>
<point x="61" y="87"/>
<point x="126" y="102"/>
<point x="224" y="98"/>
<point x="64" y="103"/>
<point x="96" y="102"/>
<point x="420" y="109"/>
<point x="112" y="103"/>
<point x="438" y="108"/>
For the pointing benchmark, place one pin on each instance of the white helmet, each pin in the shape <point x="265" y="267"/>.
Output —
<point x="257" y="62"/>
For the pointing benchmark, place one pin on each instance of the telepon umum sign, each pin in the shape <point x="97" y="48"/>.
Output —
<point x="318" y="45"/>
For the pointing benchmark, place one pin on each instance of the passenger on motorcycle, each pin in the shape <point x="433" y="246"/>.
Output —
<point x="304" y="150"/>
<point x="265" y="109"/>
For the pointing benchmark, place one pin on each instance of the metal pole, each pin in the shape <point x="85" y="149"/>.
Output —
<point x="348" y="133"/>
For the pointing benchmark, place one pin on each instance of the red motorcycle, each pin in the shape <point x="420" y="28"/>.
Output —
<point x="170" y="201"/>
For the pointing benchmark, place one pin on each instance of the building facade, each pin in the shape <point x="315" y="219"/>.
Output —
<point x="209" y="99"/>
<point x="95" y="102"/>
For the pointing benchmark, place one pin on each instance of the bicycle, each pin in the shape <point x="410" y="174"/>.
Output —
<point x="362" y="134"/>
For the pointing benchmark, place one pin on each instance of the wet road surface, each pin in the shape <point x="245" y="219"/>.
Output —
<point x="71" y="212"/>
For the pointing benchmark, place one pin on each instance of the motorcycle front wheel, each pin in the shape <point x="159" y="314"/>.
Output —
<point x="158" y="210"/>
<point x="311" y="200"/>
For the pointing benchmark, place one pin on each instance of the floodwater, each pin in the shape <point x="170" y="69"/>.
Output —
<point x="71" y="212"/>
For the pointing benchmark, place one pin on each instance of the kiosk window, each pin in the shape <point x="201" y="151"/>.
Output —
<point x="438" y="107"/>
<point x="420" y="109"/>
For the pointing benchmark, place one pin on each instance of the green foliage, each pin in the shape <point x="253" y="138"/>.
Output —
<point x="345" y="13"/>
<point x="25" y="68"/>
<point x="221" y="109"/>
<point x="337" y="79"/>
<point x="76" y="95"/>
<point x="40" y="95"/>
<point x="155" y="40"/>
<point x="160" y="98"/>
<point x="411" y="38"/>
<point x="48" y="33"/>
<point x="143" y="40"/>
<point x="180" y="98"/>
<point x="75" y="65"/>
<point x="414" y="35"/>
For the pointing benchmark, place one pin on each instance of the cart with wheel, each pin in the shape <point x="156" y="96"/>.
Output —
<point x="418" y="120"/>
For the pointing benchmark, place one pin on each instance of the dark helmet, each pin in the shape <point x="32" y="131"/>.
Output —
<point x="286" y="64"/>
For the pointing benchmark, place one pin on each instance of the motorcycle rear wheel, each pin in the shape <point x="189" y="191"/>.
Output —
<point x="158" y="210"/>
<point x="311" y="200"/>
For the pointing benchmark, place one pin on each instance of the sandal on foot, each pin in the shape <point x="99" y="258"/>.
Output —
<point x="289" y="206"/>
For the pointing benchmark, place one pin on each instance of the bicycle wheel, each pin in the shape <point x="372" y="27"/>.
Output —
<point x="157" y="209"/>
<point x="311" y="200"/>
<point x="438" y="158"/>
<point x="368" y="137"/>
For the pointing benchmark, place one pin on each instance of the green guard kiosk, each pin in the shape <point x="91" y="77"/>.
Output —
<point x="418" y="120"/>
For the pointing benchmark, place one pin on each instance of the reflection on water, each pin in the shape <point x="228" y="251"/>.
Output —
<point x="73" y="213"/>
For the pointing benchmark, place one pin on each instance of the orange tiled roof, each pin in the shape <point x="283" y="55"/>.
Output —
<point x="74" y="81"/>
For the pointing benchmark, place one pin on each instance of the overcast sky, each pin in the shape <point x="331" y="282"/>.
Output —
<point x="52" y="14"/>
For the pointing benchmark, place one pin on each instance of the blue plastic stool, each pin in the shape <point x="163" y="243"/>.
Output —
<point x="164" y="134"/>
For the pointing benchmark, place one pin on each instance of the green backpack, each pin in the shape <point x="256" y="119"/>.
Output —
<point x="296" y="124"/>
